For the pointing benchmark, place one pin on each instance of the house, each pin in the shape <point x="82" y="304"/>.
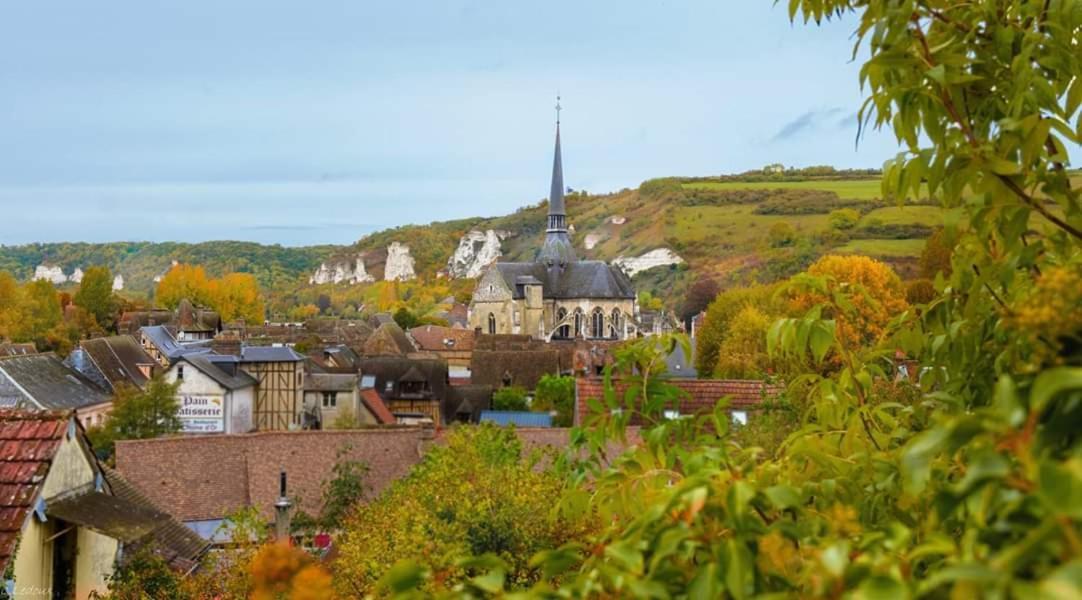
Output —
<point x="65" y="522"/>
<point x="557" y="295"/>
<point x="699" y="396"/>
<point x="452" y="345"/>
<point x="388" y="340"/>
<point x="329" y="395"/>
<point x="113" y="361"/>
<point x="279" y="399"/>
<point x="517" y="360"/>
<point x="43" y="382"/>
<point x="408" y="386"/>
<point x="159" y="342"/>
<point x="131" y="321"/>
<point x="195" y="324"/>
<point x="465" y="403"/>
<point x="215" y="394"/>
<point x="334" y="359"/>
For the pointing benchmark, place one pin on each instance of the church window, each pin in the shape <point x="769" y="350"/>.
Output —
<point x="563" y="331"/>
<point x="578" y="322"/>
<point x="614" y="326"/>
<point x="597" y="325"/>
<point x="491" y="324"/>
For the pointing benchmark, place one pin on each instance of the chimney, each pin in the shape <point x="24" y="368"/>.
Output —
<point x="281" y="511"/>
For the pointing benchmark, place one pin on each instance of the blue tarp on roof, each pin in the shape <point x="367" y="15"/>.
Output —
<point x="518" y="419"/>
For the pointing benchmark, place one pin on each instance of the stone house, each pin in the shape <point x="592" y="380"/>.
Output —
<point x="415" y="387"/>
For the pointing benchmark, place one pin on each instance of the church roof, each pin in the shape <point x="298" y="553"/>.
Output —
<point x="581" y="279"/>
<point x="556" y="194"/>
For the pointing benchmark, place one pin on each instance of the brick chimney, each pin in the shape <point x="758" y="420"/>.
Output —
<point x="227" y="343"/>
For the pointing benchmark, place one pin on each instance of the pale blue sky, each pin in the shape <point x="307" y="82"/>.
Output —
<point x="306" y="122"/>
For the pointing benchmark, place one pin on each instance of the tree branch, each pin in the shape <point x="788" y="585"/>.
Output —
<point x="1035" y="205"/>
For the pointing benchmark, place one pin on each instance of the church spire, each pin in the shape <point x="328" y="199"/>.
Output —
<point x="557" y="212"/>
<point x="557" y="249"/>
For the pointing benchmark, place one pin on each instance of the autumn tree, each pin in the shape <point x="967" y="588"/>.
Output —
<point x="876" y="295"/>
<point x="138" y="414"/>
<point x="10" y="301"/>
<point x="742" y="352"/>
<point x="699" y="296"/>
<point x="236" y="296"/>
<point x="184" y="282"/>
<point x="95" y="296"/>
<point x="719" y="318"/>
<point x="936" y="256"/>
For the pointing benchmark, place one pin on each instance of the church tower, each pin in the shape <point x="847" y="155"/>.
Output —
<point x="557" y="249"/>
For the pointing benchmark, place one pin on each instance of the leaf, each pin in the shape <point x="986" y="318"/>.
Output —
<point x="835" y="558"/>
<point x="881" y="587"/>
<point x="782" y="496"/>
<point x="404" y="576"/>
<point x="706" y="585"/>
<point x="1061" y="486"/>
<point x="625" y="555"/>
<point x="491" y="582"/>
<point x="821" y="339"/>
<point x="1052" y="382"/>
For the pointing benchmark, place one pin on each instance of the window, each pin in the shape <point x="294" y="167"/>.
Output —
<point x="578" y="322"/>
<point x="614" y="326"/>
<point x="672" y="414"/>
<point x="389" y="387"/>
<point x="180" y="372"/>
<point x="740" y="417"/>
<point x="563" y="331"/>
<point x="330" y="399"/>
<point x="491" y="324"/>
<point x="597" y="324"/>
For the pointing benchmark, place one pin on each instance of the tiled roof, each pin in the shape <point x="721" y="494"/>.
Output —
<point x="388" y="339"/>
<point x="579" y="279"/>
<point x="250" y="354"/>
<point x="167" y="344"/>
<point x="702" y="394"/>
<point x="330" y="382"/>
<point x="212" y="366"/>
<point x="375" y="405"/>
<point x="42" y="381"/>
<point x="176" y="543"/>
<point x="434" y="338"/>
<point x="28" y="443"/>
<point x="10" y="349"/>
<point x="118" y="358"/>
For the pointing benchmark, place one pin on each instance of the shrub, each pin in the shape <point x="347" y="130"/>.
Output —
<point x="742" y="352"/>
<point x="781" y="234"/>
<point x="510" y="398"/>
<point x="556" y="393"/>
<point x="844" y="218"/>
<point x="920" y="291"/>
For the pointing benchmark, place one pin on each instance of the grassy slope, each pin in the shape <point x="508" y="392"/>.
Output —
<point x="864" y="189"/>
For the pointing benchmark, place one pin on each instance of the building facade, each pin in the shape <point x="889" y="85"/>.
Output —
<point x="557" y="296"/>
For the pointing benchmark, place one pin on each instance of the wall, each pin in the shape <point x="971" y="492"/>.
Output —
<point x="196" y="384"/>
<point x="240" y="404"/>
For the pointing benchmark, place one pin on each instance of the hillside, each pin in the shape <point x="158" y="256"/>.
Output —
<point x="734" y="228"/>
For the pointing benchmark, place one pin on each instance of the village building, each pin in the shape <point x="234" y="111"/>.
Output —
<point x="215" y="395"/>
<point x="388" y="340"/>
<point x="113" y="361"/>
<point x="334" y="359"/>
<point x="279" y="399"/>
<point x="556" y="296"/>
<point x="13" y="349"/>
<point x="161" y="345"/>
<point x="411" y="388"/>
<point x="43" y="382"/>
<point x="330" y="395"/>
<point x="66" y="521"/>
<point x="187" y="323"/>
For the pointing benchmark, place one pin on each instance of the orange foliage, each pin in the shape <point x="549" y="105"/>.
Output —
<point x="184" y="282"/>
<point x="234" y="296"/>
<point x="282" y="571"/>
<point x="874" y="289"/>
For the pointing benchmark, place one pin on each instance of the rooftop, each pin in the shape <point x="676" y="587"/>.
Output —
<point x="42" y="381"/>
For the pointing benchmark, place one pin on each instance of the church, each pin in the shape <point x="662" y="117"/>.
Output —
<point x="556" y="296"/>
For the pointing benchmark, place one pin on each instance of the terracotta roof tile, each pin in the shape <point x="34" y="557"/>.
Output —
<point x="701" y="394"/>
<point x="375" y="405"/>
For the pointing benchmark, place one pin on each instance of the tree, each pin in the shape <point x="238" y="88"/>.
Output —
<point x="95" y="296"/>
<point x="405" y="318"/>
<point x="40" y="315"/>
<point x="138" y="415"/>
<point x="781" y="234"/>
<point x="699" y="296"/>
<point x="844" y="218"/>
<point x="511" y="398"/>
<point x="920" y="291"/>
<point x="719" y="316"/>
<point x="648" y="301"/>
<point x="10" y="303"/>
<point x="236" y="297"/>
<point x="936" y="256"/>
<point x="879" y="295"/>
<point x="556" y="393"/>
<point x="476" y="494"/>
<point x="184" y="282"/>
<point x="323" y="302"/>
<point x="742" y="353"/>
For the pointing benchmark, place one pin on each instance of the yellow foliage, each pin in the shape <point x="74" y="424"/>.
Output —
<point x="282" y="571"/>
<point x="1050" y="316"/>
<point x="874" y="289"/>
<point x="234" y="296"/>
<point x="184" y="282"/>
<point x="742" y="352"/>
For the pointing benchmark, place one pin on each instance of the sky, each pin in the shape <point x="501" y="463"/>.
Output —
<point x="316" y="122"/>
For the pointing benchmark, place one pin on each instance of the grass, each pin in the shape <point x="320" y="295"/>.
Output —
<point x="884" y="248"/>
<point x="906" y="215"/>
<point x="863" y="189"/>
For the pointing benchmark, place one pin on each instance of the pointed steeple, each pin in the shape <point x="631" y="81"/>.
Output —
<point x="557" y="249"/>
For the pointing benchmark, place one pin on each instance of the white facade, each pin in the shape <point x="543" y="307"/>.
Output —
<point x="207" y="406"/>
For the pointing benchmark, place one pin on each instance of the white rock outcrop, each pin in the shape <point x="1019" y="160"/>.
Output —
<point x="76" y="276"/>
<point x="50" y="273"/>
<point x="399" y="265"/>
<point x="592" y="240"/>
<point x="342" y="272"/>
<point x="660" y="257"/>
<point x="618" y="220"/>
<point x="476" y="250"/>
<point x="118" y="283"/>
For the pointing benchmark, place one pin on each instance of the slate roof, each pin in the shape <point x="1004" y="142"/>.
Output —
<point x="221" y="369"/>
<point x="701" y="394"/>
<point x="42" y="381"/>
<point x="116" y="359"/>
<point x="12" y="349"/>
<point x="167" y="344"/>
<point x="580" y="279"/>
<point x="470" y="400"/>
<point x="434" y="338"/>
<point x="28" y="443"/>
<point x="178" y="545"/>
<point x="250" y="354"/>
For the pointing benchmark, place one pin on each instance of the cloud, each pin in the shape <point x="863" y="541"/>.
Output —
<point x="805" y="122"/>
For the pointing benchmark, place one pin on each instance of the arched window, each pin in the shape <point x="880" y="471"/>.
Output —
<point x="615" y="325"/>
<point x="597" y="324"/>
<point x="563" y="331"/>
<point x="491" y="324"/>
<point x="578" y="322"/>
